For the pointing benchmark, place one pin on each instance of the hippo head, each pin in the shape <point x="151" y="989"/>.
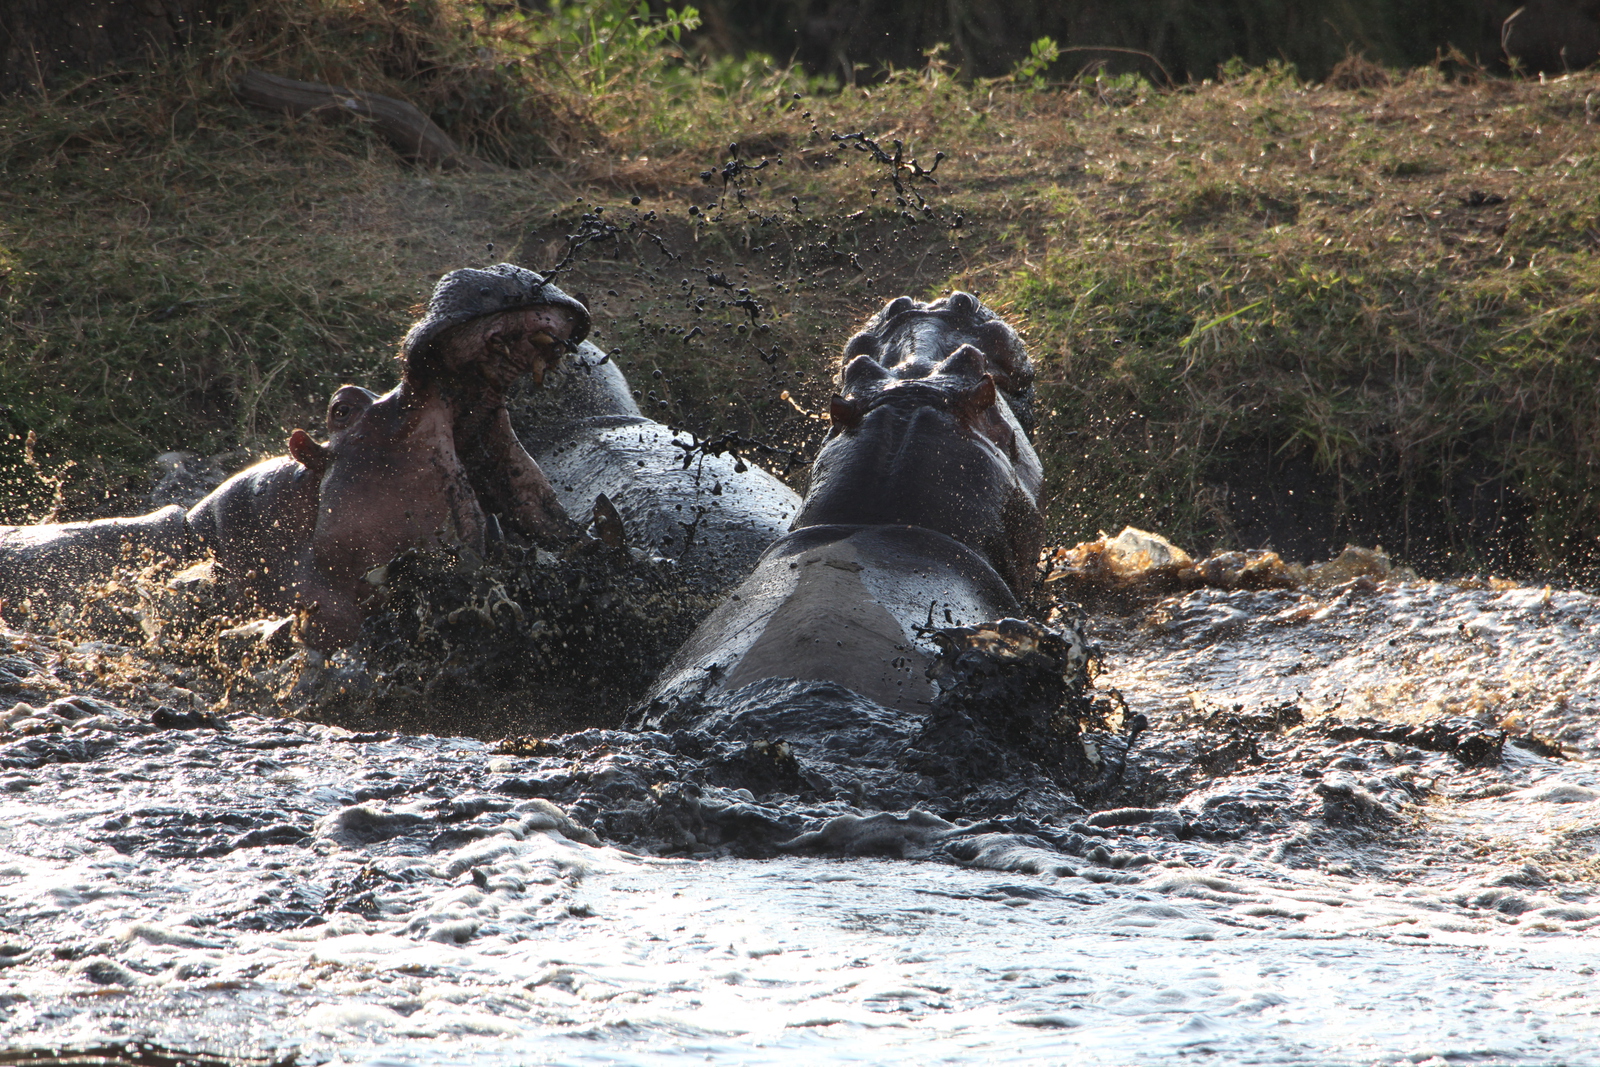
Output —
<point x="910" y="338"/>
<point x="435" y="463"/>
<point x="494" y="324"/>
<point x="924" y="438"/>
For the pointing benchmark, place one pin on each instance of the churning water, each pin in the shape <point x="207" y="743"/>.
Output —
<point x="1322" y="895"/>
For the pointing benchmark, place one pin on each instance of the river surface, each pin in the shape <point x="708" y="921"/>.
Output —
<point x="1321" y="895"/>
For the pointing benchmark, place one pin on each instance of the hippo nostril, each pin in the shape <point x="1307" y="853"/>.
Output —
<point x="965" y="361"/>
<point x="845" y="414"/>
<point x="865" y="369"/>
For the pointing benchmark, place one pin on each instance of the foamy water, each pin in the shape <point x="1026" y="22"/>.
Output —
<point x="390" y="900"/>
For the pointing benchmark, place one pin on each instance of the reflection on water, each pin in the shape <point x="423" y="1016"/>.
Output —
<point x="370" y="899"/>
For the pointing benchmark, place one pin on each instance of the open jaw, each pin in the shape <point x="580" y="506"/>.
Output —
<point x="503" y="347"/>
<point x="434" y="464"/>
<point x="505" y="481"/>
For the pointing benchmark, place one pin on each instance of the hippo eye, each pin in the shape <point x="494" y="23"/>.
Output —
<point x="341" y="411"/>
<point x="962" y="304"/>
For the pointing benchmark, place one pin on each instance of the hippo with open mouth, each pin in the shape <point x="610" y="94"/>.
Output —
<point x="923" y="510"/>
<point x="432" y="463"/>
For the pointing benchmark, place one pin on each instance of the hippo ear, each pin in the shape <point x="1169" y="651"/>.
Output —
<point x="1008" y="359"/>
<point x="961" y="304"/>
<point x="964" y="362"/>
<point x="844" y="413"/>
<point x="312" y="456"/>
<point x="978" y="399"/>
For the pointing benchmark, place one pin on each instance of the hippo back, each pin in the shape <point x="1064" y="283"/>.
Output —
<point x="257" y="524"/>
<point x="840" y="604"/>
<point x="589" y="437"/>
<point x="49" y="564"/>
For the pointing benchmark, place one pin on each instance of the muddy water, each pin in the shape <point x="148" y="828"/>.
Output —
<point x="1277" y="880"/>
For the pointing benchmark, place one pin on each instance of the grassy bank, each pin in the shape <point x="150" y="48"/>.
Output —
<point x="1380" y="298"/>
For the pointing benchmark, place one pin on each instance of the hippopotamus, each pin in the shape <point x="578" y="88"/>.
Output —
<point x="432" y="463"/>
<point x="923" y="510"/>
<point x="437" y="461"/>
<point x="714" y="516"/>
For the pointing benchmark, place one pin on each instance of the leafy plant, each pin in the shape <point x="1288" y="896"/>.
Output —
<point x="601" y="42"/>
<point x="1042" y="55"/>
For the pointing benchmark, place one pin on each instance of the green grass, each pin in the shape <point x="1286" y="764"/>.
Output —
<point x="1247" y="268"/>
<point x="1397" y="330"/>
<point x="168" y="282"/>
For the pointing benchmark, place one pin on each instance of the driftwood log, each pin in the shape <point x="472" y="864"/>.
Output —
<point x="412" y="133"/>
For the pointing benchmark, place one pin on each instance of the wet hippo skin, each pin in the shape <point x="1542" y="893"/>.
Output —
<point x="589" y="437"/>
<point x="923" y="509"/>
<point x="258" y="523"/>
<point x="841" y="603"/>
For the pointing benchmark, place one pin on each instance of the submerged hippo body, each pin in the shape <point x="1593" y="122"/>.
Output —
<point x="257" y="524"/>
<point x="589" y="437"/>
<point x="923" y="510"/>
<point x="841" y="604"/>
<point x="50" y="563"/>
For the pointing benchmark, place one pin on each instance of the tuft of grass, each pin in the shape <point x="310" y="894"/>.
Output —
<point x="172" y="275"/>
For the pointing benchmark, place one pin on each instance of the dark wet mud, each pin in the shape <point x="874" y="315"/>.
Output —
<point x="1350" y="742"/>
<point x="530" y="643"/>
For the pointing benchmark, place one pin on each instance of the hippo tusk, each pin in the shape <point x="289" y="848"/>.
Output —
<point x="608" y="523"/>
<point x="542" y="338"/>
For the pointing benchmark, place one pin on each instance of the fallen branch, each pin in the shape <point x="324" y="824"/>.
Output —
<point x="412" y="133"/>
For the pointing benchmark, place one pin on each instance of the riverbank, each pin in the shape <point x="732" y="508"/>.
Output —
<point x="1265" y="312"/>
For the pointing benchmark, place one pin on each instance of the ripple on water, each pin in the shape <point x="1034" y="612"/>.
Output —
<point x="422" y="900"/>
